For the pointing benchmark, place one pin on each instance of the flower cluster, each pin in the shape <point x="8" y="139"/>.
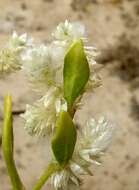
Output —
<point x="43" y="65"/>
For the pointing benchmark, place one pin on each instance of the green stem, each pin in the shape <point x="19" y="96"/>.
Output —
<point x="7" y="145"/>
<point x="71" y="111"/>
<point x="45" y="176"/>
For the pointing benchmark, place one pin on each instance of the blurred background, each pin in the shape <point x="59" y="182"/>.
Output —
<point x="113" y="27"/>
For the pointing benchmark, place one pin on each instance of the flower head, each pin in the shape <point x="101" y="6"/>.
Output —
<point x="94" y="140"/>
<point x="40" y="118"/>
<point x="44" y="65"/>
<point x="66" y="179"/>
<point x="17" y="42"/>
<point x="69" y="178"/>
<point x="69" y="32"/>
<point x="9" y="61"/>
<point x="10" y="56"/>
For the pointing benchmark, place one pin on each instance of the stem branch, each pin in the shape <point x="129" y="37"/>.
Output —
<point x="45" y="176"/>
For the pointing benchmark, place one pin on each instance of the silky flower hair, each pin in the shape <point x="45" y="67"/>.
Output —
<point x="61" y="72"/>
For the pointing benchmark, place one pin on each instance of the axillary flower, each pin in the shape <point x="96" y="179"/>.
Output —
<point x="43" y="66"/>
<point x="94" y="140"/>
<point x="67" y="32"/>
<point x="61" y="71"/>
<point x="10" y="56"/>
<point x="41" y="116"/>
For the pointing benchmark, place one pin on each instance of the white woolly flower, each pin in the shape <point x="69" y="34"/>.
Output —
<point x="65" y="179"/>
<point x="40" y="117"/>
<point x="69" y="32"/>
<point x="69" y="178"/>
<point x="94" y="140"/>
<point x="44" y="66"/>
<point x="9" y="61"/>
<point x="10" y="56"/>
<point x="17" y="42"/>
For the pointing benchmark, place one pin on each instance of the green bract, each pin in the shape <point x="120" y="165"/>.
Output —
<point x="64" y="139"/>
<point x="76" y="72"/>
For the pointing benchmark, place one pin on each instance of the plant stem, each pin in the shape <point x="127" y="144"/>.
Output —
<point x="71" y="111"/>
<point x="45" y="176"/>
<point x="7" y="145"/>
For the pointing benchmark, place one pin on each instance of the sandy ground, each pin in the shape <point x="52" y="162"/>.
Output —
<point x="114" y="29"/>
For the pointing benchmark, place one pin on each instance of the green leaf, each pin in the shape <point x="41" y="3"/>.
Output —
<point x="76" y="72"/>
<point x="7" y="145"/>
<point x="64" y="140"/>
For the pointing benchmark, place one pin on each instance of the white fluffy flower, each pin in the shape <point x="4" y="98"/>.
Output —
<point x="40" y="118"/>
<point x="94" y="140"/>
<point x="10" y="56"/>
<point x="69" y="32"/>
<point x="44" y="66"/>
<point x="69" y="178"/>
<point x="9" y="61"/>
<point x="65" y="179"/>
<point x="17" y="42"/>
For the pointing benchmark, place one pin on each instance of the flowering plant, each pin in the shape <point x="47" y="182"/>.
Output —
<point x="61" y="71"/>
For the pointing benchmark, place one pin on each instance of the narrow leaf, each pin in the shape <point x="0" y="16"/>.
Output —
<point x="76" y="72"/>
<point x="7" y="145"/>
<point x="64" y="140"/>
